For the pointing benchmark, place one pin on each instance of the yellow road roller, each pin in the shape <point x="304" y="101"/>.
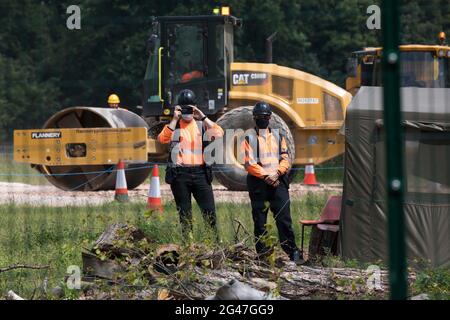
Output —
<point x="78" y="144"/>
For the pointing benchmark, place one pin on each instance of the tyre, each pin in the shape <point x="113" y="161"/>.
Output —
<point x="232" y="174"/>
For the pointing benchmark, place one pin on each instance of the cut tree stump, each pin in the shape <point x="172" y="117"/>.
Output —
<point x="95" y="267"/>
<point x="116" y="233"/>
<point x="167" y="258"/>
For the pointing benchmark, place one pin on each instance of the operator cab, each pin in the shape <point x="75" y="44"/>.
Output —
<point x="423" y="66"/>
<point x="188" y="53"/>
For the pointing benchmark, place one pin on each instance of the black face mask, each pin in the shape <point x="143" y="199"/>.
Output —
<point x="262" y="123"/>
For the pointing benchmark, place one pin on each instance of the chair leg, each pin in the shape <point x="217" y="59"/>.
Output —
<point x="319" y="243"/>
<point x="303" y="234"/>
<point x="335" y="243"/>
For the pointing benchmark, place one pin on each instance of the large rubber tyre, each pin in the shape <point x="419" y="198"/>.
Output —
<point x="233" y="176"/>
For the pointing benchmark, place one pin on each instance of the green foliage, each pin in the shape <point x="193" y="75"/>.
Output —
<point x="45" y="67"/>
<point x="434" y="282"/>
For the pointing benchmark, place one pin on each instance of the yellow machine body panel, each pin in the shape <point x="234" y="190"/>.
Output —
<point x="416" y="47"/>
<point x="313" y="108"/>
<point x="156" y="150"/>
<point x="83" y="146"/>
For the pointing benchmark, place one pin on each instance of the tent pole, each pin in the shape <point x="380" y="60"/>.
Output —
<point x="394" y="148"/>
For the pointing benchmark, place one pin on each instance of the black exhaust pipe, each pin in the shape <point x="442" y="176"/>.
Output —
<point x="269" y="41"/>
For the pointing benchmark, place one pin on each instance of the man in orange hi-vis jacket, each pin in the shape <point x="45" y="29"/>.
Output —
<point x="267" y="162"/>
<point x="187" y="173"/>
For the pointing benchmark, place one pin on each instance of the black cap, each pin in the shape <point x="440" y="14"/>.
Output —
<point x="186" y="97"/>
<point x="262" y="108"/>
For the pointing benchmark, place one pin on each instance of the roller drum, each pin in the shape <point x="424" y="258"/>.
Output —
<point x="90" y="177"/>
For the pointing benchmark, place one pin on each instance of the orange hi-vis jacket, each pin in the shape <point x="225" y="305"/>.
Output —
<point x="273" y="155"/>
<point x="189" y="141"/>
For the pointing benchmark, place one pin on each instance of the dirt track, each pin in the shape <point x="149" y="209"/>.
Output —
<point x="20" y="193"/>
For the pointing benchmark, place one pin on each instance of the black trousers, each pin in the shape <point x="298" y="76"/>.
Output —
<point x="193" y="181"/>
<point x="263" y="197"/>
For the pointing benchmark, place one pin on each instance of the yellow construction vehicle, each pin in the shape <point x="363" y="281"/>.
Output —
<point x="425" y="66"/>
<point x="196" y="53"/>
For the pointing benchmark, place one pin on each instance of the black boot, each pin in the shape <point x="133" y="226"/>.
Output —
<point x="297" y="257"/>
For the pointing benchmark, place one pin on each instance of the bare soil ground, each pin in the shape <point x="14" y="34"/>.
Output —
<point x="20" y="193"/>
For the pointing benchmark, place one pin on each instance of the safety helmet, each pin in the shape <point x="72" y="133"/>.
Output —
<point x="262" y="108"/>
<point x="186" y="97"/>
<point x="114" y="98"/>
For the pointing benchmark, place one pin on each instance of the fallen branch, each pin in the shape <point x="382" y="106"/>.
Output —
<point x="236" y="231"/>
<point x="197" y="271"/>
<point x="22" y="266"/>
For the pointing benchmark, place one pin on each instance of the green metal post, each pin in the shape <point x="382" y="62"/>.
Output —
<point x="394" y="148"/>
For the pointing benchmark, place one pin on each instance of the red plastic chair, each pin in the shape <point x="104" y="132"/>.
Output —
<point x="330" y="215"/>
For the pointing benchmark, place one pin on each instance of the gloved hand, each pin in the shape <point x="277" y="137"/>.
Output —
<point x="272" y="180"/>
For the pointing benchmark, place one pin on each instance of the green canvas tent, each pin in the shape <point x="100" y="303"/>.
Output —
<point x="426" y="119"/>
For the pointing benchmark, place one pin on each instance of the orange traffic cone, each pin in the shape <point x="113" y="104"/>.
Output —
<point x="154" y="192"/>
<point x="121" y="183"/>
<point x="310" y="176"/>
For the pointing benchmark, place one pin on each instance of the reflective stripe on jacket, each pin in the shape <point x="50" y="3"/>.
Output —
<point x="273" y="155"/>
<point x="188" y="139"/>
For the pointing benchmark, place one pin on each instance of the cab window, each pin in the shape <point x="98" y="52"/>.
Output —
<point x="186" y="53"/>
<point x="420" y="69"/>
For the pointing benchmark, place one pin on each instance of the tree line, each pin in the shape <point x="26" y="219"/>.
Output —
<point x="45" y="67"/>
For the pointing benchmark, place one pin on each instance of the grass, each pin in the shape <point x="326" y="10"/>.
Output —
<point x="331" y="171"/>
<point x="56" y="236"/>
<point x="324" y="174"/>
<point x="10" y="171"/>
<point x="23" y="173"/>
